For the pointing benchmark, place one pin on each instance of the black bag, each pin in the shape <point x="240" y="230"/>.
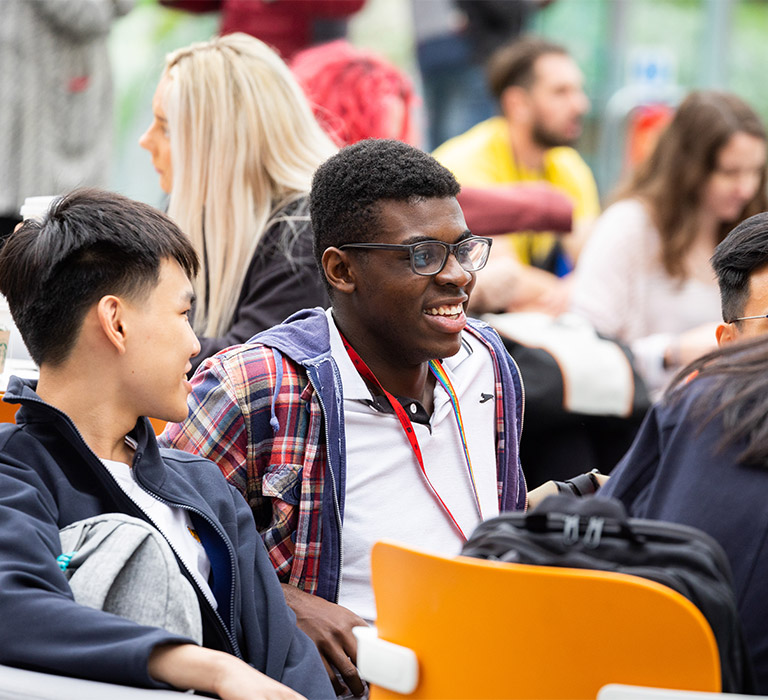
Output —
<point x="590" y="533"/>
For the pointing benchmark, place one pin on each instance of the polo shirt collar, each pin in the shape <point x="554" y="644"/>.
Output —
<point x="354" y="385"/>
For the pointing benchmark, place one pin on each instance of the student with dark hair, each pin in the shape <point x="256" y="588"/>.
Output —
<point x="308" y="418"/>
<point x="700" y="459"/>
<point x="100" y="290"/>
<point x="741" y="265"/>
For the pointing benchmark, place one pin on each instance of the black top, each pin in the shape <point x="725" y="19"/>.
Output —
<point x="282" y="279"/>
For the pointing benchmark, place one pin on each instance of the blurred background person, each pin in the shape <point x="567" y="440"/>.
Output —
<point x="356" y="94"/>
<point x="285" y="25"/>
<point x="645" y="276"/>
<point x="235" y="145"/>
<point x="454" y="40"/>
<point x="539" y="88"/>
<point x="56" y="106"/>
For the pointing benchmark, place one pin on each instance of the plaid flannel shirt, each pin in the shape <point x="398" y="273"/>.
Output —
<point x="272" y="445"/>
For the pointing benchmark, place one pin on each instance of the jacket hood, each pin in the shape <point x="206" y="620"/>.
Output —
<point x="303" y="337"/>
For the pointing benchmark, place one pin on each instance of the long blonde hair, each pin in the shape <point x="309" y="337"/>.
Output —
<point x="244" y="144"/>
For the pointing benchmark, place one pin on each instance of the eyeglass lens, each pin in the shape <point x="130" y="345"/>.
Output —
<point x="430" y="256"/>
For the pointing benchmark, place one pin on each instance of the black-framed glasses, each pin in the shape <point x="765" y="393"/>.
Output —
<point x="747" y="318"/>
<point x="429" y="257"/>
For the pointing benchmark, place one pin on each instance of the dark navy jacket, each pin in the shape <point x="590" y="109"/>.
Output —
<point x="676" y="471"/>
<point x="49" y="478"/>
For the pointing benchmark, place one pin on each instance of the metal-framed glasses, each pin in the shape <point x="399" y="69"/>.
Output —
<point x="747" y="318"/>
<point x="429" y="257"/>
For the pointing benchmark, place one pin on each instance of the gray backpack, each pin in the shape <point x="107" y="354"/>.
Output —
<point x="123" y="565"/>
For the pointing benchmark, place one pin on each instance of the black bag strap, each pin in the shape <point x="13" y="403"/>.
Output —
<point x="574" y="514"/>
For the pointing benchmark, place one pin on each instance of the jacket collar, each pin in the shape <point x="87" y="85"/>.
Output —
<point x="303" y="337"/>
<point x="34" y="410"/>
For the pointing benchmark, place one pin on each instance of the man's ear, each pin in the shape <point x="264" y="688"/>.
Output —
<point x="726" y="333"/>
<point x="338" y="270"/>
<point x="514" y="103"/>
<point x="110" y="312"/>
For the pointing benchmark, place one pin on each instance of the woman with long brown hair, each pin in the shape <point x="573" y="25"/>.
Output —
<point x="645" y="276"/>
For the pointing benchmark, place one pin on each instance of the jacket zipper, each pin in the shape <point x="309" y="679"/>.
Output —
<point x="230" y="637"/>
<point x="190" y="509"/>
<point x="522" y="423"/>
<point x="522" y="393"/>
<point x="336" y="507"/>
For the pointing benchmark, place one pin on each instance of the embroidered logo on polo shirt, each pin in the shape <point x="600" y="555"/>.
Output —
<point x="485" y="397"/>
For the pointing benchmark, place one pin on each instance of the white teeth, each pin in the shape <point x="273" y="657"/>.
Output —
<point x="445" y="310"/>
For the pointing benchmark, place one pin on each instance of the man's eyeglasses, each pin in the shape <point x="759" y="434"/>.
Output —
<point x="429" y="257"/>
<point x="747" y="318"/>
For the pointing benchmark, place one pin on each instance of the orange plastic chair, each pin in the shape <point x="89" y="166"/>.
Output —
<point x="8" y="415"/>
<point x="7" y="410"/>
<point x="483" y="629"/>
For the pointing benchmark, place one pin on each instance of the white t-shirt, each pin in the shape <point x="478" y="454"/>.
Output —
<point x="386" y="496"/>
<point x="173" y="523"/>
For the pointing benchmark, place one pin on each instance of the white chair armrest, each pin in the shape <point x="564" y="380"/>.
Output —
<point x="385" y="664"/>
<point x="617" y="691"/>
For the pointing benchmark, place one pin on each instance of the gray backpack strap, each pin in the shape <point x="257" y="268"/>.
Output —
<point x="124" y="566"/>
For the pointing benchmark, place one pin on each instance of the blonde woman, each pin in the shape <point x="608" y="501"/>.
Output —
<point x="235" y="145"/>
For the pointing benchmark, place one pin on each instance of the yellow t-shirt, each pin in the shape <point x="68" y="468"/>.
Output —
<point x="483" y="156"/>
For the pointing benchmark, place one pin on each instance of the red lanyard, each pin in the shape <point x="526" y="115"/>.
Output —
<point x="407" y="426"/>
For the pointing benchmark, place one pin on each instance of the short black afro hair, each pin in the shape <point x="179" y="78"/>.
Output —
<point x="348" y="186"/>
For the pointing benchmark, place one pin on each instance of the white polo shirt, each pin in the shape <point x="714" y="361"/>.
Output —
<point x="386" y="496"/>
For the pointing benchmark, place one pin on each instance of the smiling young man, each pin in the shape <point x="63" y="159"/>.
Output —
<point x="390" y="415"/>
<point x="100" y="290"/>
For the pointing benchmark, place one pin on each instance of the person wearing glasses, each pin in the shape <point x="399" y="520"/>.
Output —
<point x="700" y="457"/>
<point x="741" y="266"/>
<point x="392" y="412"/>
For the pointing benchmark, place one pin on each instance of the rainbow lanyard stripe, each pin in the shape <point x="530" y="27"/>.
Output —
<point x="405" y="421"/>
<point x="442" y="376"/>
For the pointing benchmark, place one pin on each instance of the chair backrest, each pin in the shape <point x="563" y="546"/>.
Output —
<point x="483" y="629"/>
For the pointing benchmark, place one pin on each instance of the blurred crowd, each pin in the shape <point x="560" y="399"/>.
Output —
<point x="601" y="304"/>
